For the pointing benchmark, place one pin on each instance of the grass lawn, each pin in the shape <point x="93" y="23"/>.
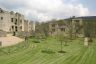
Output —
<point x="46" y="52"/>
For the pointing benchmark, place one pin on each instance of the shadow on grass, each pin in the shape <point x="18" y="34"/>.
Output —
<point x="36" y="41"/>
<point x="48" y="51"/>
<point x="61" y="51"/>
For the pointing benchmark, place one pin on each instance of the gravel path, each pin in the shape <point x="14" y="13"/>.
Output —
<point x="10" y="40"/>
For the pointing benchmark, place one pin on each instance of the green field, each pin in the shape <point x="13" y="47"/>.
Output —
<point x="46" y="52"/>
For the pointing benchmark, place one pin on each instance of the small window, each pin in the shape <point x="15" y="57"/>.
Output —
<point x="77" y="20"/>
<point x="20" y="21"/>
<point x="53" y="30"/>
<point x="20" y="27"/>
<point x="62" y="29"/>
<point x="12" y="27"/>
<point x="15" y="22"/>
<point x="53" y="25"/>
<point x="16" y="29"/>
<point x="11" y="19"/>
<point x="1" y="18"/>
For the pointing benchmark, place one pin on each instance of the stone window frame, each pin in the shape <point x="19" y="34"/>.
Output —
<point x="12" y="19"/>
<point x="1" y="18"/>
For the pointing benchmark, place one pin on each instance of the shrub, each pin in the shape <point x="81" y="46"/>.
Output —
<point x="36" y="41"/>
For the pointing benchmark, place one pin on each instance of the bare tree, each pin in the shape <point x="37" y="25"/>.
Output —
<point x="60" y="38"/>
<point x="68" y="24"/>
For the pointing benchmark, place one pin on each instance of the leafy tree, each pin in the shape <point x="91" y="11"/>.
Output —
<point x="89" y="29"/>
<point x="42" y="29"/>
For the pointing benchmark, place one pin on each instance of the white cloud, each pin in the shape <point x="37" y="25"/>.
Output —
<point x="44" y="10"/>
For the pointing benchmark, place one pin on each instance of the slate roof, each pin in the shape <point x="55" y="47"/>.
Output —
<point x="87" y="17"/>
<point x="83" y="17"/>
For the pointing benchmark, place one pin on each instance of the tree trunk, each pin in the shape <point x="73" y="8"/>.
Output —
<point x="86" y="41"/>
<point x="61" y="45"/>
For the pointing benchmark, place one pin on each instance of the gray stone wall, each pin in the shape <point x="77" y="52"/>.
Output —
<point x="3" y="33"/>
<point x="13" y="22"/>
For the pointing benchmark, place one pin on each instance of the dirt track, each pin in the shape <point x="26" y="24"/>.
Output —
<point x="10" y="40"/>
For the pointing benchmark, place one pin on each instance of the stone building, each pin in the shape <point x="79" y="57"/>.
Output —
<point x="13" y="23"/>
<point x="56" y="27"/>
<point x="31" y="26"/>
<point x="76" y="26"/>
<point x="85" y="25"/>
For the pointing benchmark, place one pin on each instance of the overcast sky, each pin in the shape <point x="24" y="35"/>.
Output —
<point x="44" y="10"/>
